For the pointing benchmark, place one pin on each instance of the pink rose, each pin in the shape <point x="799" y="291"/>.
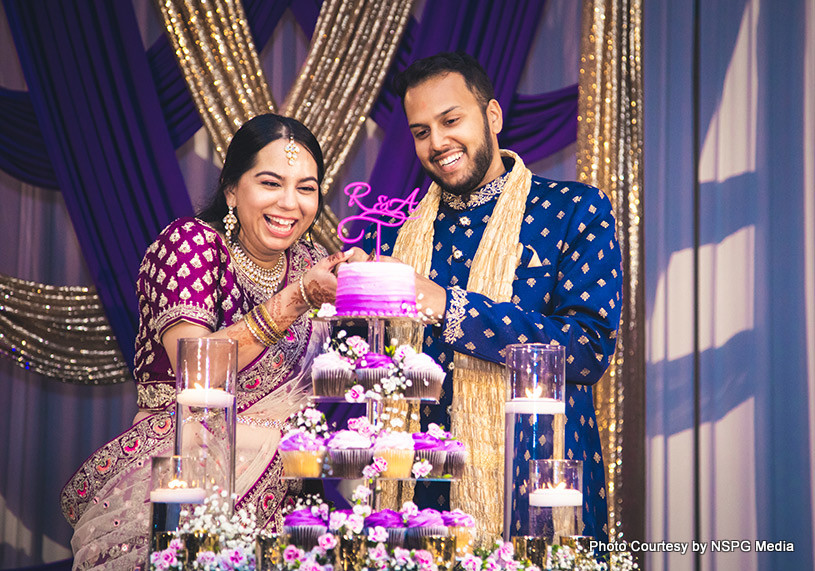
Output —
<point x="355" y="394"/>
<point x="292" y="554"/>
<point x="310" y="565"/>
<point x="327" y="541"/>
<point x="206" y="558"/>
<point x="168" y="557"/>
<point x="423" y="557"/>
<point x="355" y="523"/>
<point x="401" y="556"/>
<point x="176" y="544"/>
<point x="471" y="563"/>
<point x="506" y="552"/>
<point x="378" y="534"/>
<point x="380" y="464"/>
<point x="409" y="509"/>
<point x="437" y="431"/>
<point x="336" y="521"/>
<point x="380" y="552"/>
<point x="422" y="468"/>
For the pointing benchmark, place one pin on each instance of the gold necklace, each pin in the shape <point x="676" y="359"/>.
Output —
<point x="266" y="279"/>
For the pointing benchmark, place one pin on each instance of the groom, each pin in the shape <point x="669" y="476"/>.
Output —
<point x="502" y="256"/>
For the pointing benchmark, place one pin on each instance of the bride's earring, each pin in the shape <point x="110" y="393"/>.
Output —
<point x="229" y="224"/>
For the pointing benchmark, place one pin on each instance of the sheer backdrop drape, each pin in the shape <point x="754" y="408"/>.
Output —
<point x="729" y="283"/>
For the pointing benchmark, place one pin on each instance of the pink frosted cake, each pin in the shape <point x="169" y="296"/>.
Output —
<point x="376" y="288"/>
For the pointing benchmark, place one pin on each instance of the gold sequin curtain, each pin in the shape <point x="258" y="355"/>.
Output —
<point x="610" y="138"/>
<point x="61" y="332"/>
<point x="351" y="49"/>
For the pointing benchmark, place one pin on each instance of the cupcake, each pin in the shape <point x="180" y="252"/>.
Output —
<point x="302" y="454"/>
<point x="425" y="523"/>
<point x="455" y="458"/>
<point x="330" y="374"/>
<point x="397" y="449"/>
<point x="461" y="526"/>
<point x="425" y="375"/>
<point x="304" y="528"/>
<point x="431" y="449"/>
<point x="350" y="452"/>
<point x="394" y="524"/>
<point x="371" y="368"/>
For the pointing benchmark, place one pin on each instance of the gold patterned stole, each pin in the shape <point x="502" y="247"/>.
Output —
<point x="477" y="414"/>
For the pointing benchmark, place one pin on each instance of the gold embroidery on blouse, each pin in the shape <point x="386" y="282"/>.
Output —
<point x="155" y="396"/>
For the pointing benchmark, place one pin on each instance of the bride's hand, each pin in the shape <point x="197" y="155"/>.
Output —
<point x="320" y="282"/>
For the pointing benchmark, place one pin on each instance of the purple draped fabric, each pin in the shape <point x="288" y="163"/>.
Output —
<point x="498" y="35"/>
<point x="22" y="151"/>
<point x="125" y="197"/>
<point x="540" y="125"/>
<point x="96" y="104"/>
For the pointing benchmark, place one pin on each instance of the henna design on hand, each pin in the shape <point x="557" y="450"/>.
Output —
<point x="319" y="294"/>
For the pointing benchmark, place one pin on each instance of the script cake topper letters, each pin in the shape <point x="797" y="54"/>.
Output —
<point x="385" y="212"/>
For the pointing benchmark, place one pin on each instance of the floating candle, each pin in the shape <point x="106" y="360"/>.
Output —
<point x="178" y="495"/>
<point x="555" y="497"/>
<point x="203" y="397"/>
<point x="536" y="406"/>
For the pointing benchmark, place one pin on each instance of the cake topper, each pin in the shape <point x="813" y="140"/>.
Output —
<point x="385" y="212"/>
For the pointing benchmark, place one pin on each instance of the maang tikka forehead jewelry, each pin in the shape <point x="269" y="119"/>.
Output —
<point x="291" y="149"/>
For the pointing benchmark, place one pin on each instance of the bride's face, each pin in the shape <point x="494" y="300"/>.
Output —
<point x="275" y="201"/>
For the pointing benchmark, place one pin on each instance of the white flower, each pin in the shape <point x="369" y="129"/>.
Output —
<point x="327" y="310"/>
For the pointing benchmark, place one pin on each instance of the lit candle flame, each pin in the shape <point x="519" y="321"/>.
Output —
<point x="176" y="483"/>
<point x="534" y="393"/>
<point x="560" y="486"/>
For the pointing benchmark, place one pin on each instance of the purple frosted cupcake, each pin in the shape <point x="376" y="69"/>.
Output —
<point x="392" y="521"/>
<point x="431" y="449"/>
<point x="426" y="376"/>
<point x="371" y="368"/>
<point x="426" y="522"/>
<point x="302" y="454"/>
<point x="331" y="374"/>
<point x="304" y="528"/>
<point x="350" y="452"/>
<point x="455" y="458"/>
<point x="461" y="526"/>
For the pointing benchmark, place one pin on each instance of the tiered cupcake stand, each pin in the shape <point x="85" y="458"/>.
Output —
<point x="380" y="331"/>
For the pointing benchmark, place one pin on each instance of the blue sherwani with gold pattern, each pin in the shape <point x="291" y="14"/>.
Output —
<point x="567" y="288"/>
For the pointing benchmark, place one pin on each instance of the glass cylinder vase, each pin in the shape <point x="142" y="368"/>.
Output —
<point x="535" y="409"/>
<point x="175" y="482"/>
<point x="555" y="499"/>
<point x="206" y="408"/>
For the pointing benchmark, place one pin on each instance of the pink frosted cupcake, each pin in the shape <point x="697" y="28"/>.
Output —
<point x="431" y="449"/>
<point x="461" y="526"/>
<point x="425" y="375"/>
<point x="349" y="452"/>
<point x="371" y="368"/>
<point x="304" y="528"/>
<point x="302" y="454"/>
<point x="397" y="449"/>
<point x="394" y="524"/>
<point x="331" y="374"/>
<point x="425" y="523"/>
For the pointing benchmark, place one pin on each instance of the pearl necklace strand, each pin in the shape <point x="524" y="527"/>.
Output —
<point x="268" y="280"/>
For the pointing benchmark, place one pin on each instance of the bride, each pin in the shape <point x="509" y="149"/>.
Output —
<point x="241" y="269"/>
